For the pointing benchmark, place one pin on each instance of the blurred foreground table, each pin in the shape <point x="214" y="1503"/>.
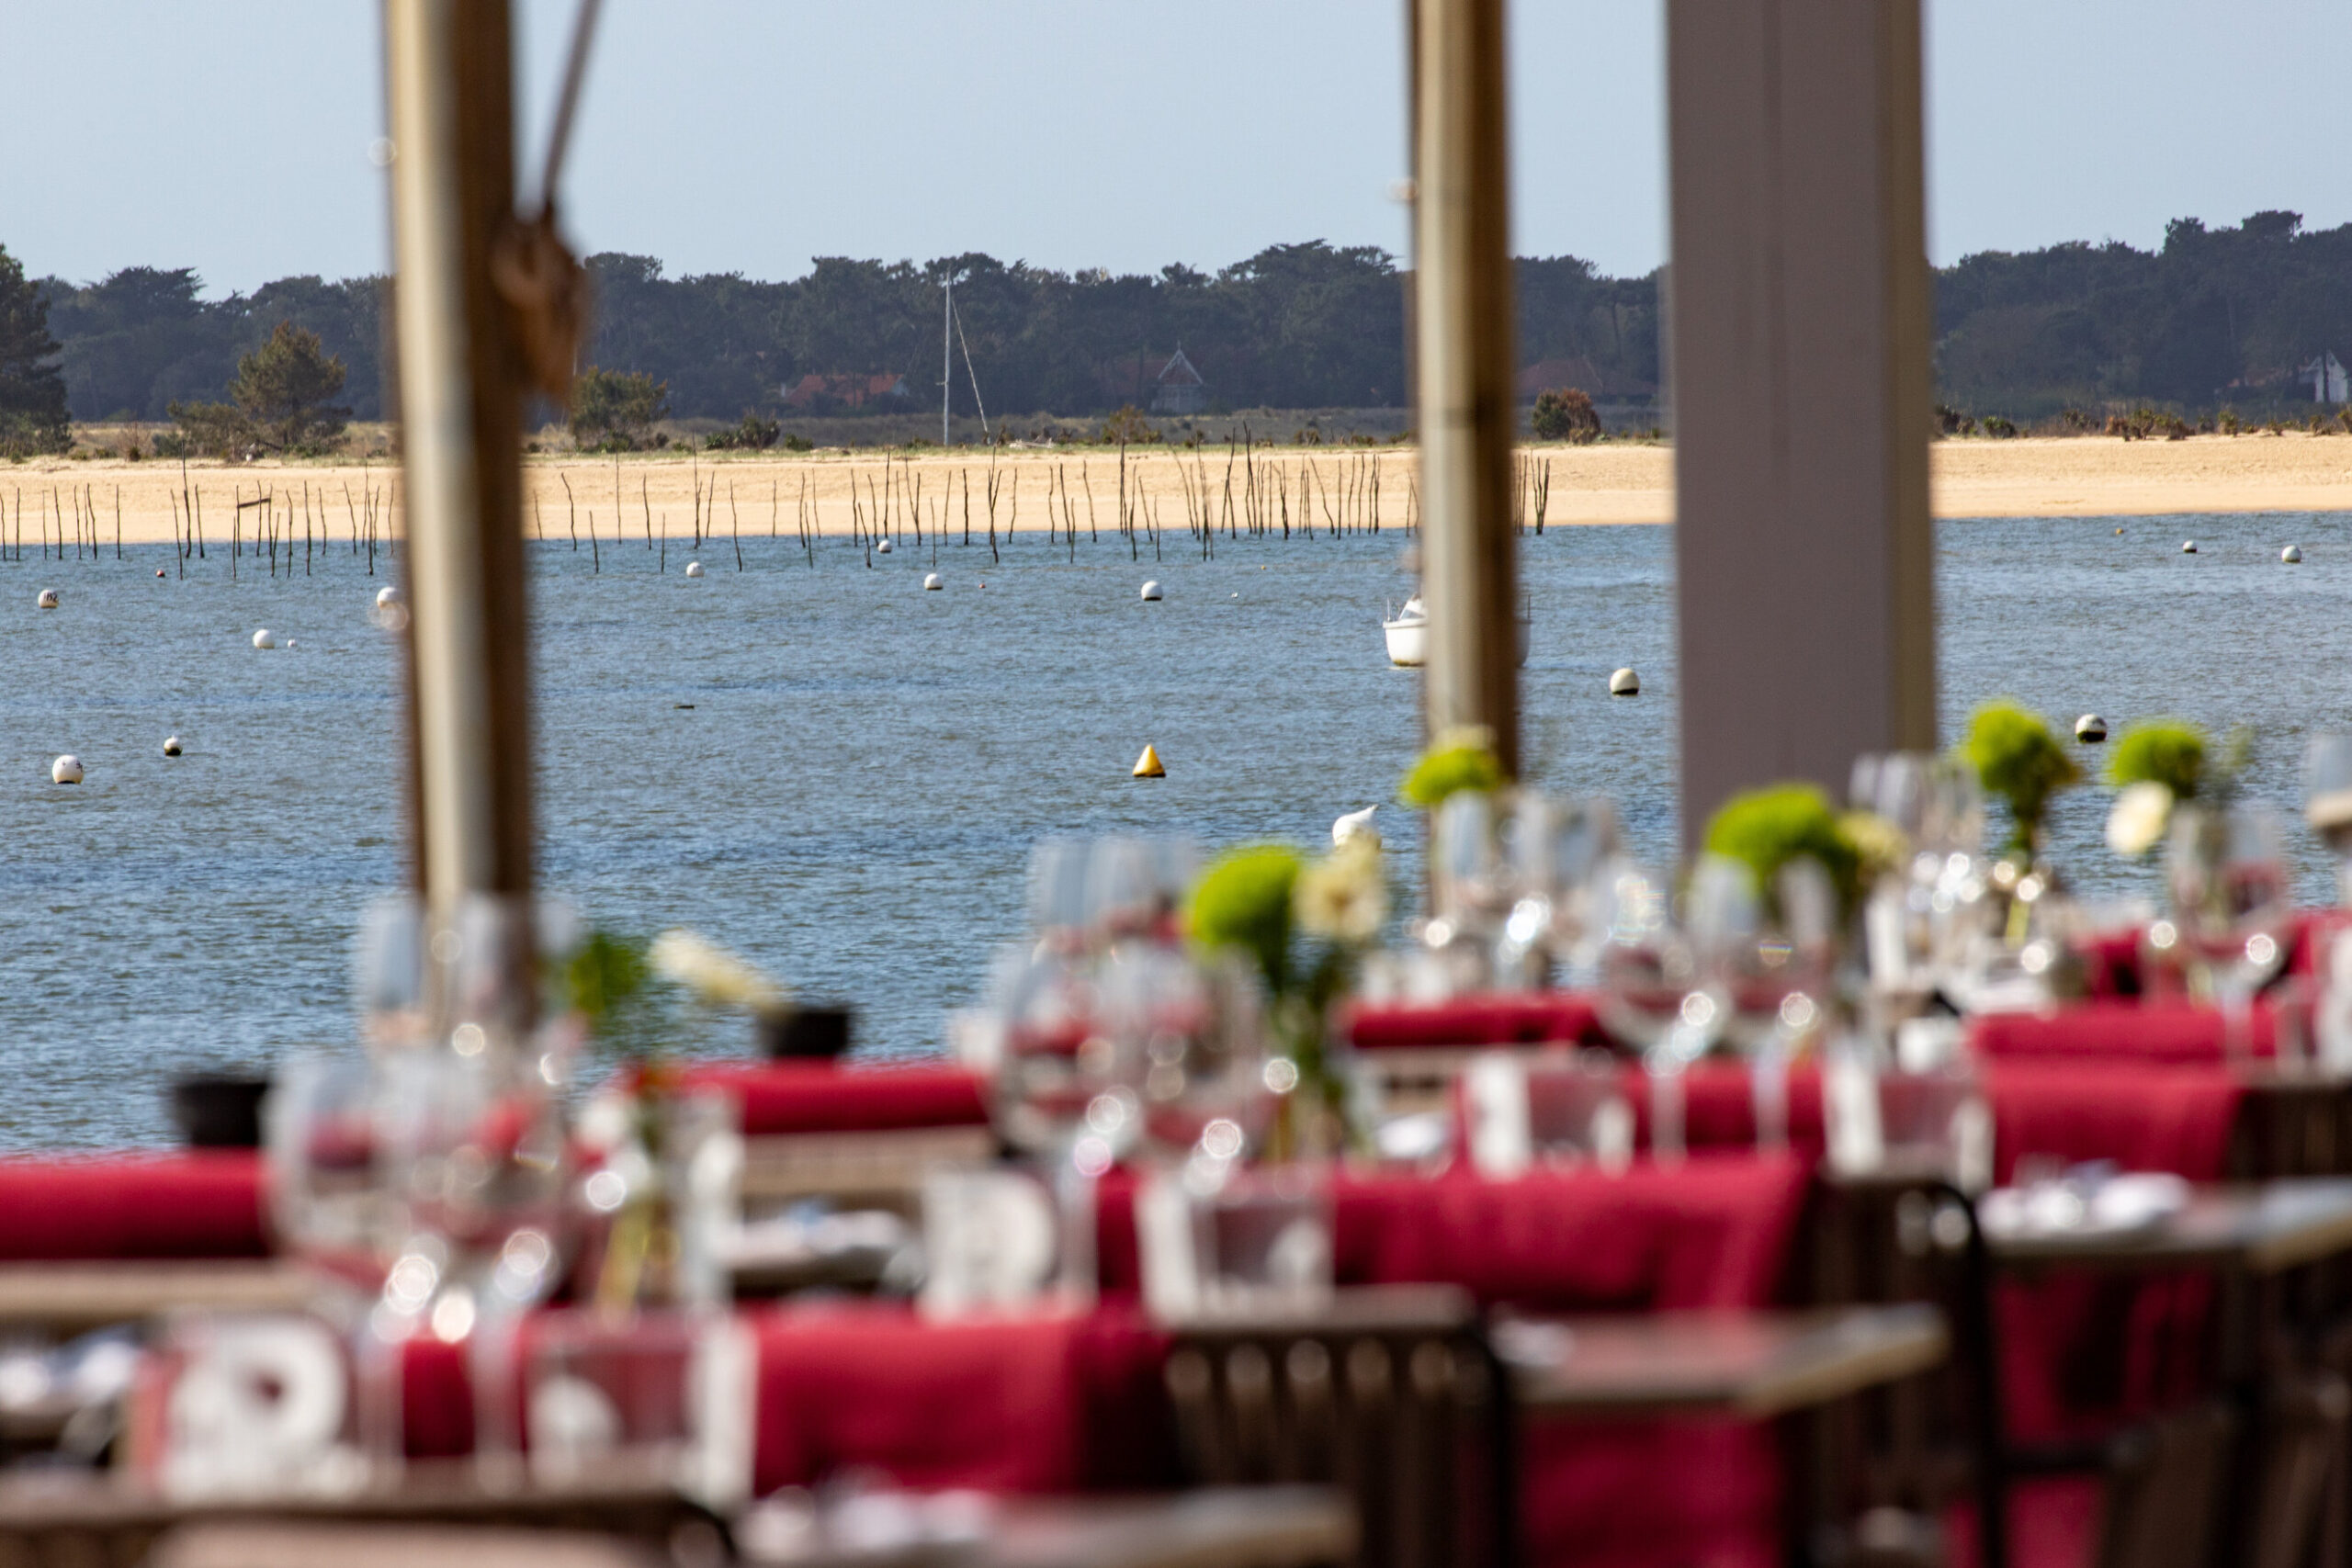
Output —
<point x="1751" y="1364"/>
<point x="1220" y="1527"/>
<point x="2264" y="1229"/>
<point x="72" y="1297"/>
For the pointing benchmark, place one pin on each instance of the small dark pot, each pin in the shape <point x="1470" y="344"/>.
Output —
<point x="219" y="1112"/>
<point x="807" y="1033"/>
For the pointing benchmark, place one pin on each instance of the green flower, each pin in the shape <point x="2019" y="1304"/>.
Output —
<point x="1458" y="760"/>
<point x="2167" y="751"/>
<point x="2018" y="759"/>
<point x="1765" y="829"/>
<point x="1243" y="900"/>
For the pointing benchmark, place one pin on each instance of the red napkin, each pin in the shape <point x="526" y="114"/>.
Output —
<point x="200" y="1203"/>
<point x="1024" y="1405"/>
<point x="1540" y="1018"/>
<point x="818" y="1097"/>
<point x="2154" y="1032"/>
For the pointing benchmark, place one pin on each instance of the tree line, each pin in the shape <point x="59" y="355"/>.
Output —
<point x="2213" y="316"/>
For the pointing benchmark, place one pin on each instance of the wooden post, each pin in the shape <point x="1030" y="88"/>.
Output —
<point x="1462" y="353"/>
<point x="1804" y="551"/>
<point x="461" y="388"/>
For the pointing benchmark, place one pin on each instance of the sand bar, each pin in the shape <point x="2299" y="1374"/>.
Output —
<point x="837" y="492"/>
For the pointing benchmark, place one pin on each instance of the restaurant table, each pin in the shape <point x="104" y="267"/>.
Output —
<point x="105" y="1517"/>
<point x="1215" y="1526"/>
<point x="73" y="1297"/>
<point x="2255" y="1229"/>
<point x="1756" y="1365"/>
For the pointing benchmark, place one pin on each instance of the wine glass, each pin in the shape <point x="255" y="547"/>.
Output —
<point x="2231" y="908"/>
<point x="1554" y="845"/>
<point x="1195" y="1029"/>
<point x="1655" y="992"/>
<point x="2327" y="801"/>
<point x="1778" y="976"/>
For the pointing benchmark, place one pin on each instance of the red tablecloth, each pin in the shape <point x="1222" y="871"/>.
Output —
<point x="2157" y="1031"/>
<point x="194" y="1204"/>
<point x="1542" y="1018"/>
<point x="819" y="1096"/>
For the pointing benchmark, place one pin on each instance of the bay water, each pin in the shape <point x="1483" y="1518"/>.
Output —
<point x="840" y="776"/>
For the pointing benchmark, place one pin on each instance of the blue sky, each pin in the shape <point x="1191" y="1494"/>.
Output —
<point x="751" y="135"/>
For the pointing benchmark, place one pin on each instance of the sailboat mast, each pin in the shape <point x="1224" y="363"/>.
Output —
<point x="947" y="354"/>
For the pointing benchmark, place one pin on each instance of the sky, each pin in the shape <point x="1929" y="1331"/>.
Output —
<point x="752" y="135"/>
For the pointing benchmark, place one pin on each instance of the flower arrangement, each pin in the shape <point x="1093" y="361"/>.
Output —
<point x="1458" y="760"/>
<point x="1764" y="829"/>
<point x="1263" y="899"/>
<point x="2162" y="763"/>
<point x="2019" y="759"/>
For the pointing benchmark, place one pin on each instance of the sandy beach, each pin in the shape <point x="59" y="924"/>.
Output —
<point x="771" y="494"/>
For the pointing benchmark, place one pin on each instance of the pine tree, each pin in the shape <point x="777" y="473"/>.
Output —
<point x="33" y="416"/>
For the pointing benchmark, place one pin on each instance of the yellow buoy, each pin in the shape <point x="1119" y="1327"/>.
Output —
<point x="1148" y="765"/>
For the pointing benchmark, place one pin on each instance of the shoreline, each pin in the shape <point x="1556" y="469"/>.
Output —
<point x="840" y="492"/>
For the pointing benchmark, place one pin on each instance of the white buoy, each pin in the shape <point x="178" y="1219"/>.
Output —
<point x="883" y="548"/>
<point x="171" y="745"/>
<point x="65" y="769"/>
<point x="1355" y="822"/>
<point x="48" y="600"/>
<point x="2293" y="555"/>
<point x="2090" y="730"/>
<point x="387" y="594"/>
<point x="159" y="571"/>
<point x="931" y="583"/>
<point x="263" y="639"/>
<point x="1624" y="683"/>
<point x="693" y="568"/>
<point x="2188" y="546"/>
<point x="1151" y="592"/>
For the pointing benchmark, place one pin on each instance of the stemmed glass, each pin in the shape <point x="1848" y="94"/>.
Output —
<point x="1554" y="846"/>
<point x="1660" y="989"/>
<point x="1778" y="975"/>
<point x="1195" y="1028"/>
<point x="2328" y="802"/>
<point x="2231" y="908"/>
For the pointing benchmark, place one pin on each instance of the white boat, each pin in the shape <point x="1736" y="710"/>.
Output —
<point x="1408" y="634"/>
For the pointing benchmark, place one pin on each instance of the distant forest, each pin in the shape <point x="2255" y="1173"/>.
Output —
<point x="2215" y="316"/>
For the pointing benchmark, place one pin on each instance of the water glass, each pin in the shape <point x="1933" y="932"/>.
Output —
<point x="1655" y="992"/>
<point x="2327" y="801"/>
<point x="1194" y="1026"/>
<point x="2231" y="908"/>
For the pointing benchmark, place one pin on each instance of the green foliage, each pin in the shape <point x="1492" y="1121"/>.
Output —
<point x="1565" y="413"/>
<point x="2021" y="762"/>
<point x="753" y="432"/>
<point x="609" y="981"/>
<point x="1764" y="829"/>
<point x="1999" y="428"/>
<point x="2168" y="751"/>
<point x="206" y="430"/>
<point x="33" y="415"/>
<point x="286" y="391"/>
<point x="1128" y="426"/>
<point x="615" y="408"/>
<point x="1244" y="900"/>
<point x="1451" y="765"/>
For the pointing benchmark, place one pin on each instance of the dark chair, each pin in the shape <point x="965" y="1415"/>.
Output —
<point x="2168" y="1483"/>
<point x="1393" y="1393"/>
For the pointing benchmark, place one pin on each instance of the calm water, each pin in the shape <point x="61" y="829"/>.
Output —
<point x="851" y="797"/>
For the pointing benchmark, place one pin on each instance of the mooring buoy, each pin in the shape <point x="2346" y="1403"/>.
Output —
<point x="171" y="745"/>
<point x="2293" y="555"/>
<point x="48" y="600"/>
<point x="2188" y="546"/>
<point x="387" y="594"/>
<point x="65" y="769"/>
<point x="1151" y="592"/>
<point x="693" y="568"/>
<point x="263" y="639"/>
<point x="931" y="583"/>
<point x="1148" y="765"/>
<point x="2090" y="730"/>
<point x="1624" y="683"/>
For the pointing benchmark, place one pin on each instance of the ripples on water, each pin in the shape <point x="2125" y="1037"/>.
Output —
<point x="852" y="795"/>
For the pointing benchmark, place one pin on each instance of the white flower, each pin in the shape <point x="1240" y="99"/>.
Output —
<point x="1343" y="897"/>
<point x="2141" y="814"/>
<point x="715" y="977"/>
